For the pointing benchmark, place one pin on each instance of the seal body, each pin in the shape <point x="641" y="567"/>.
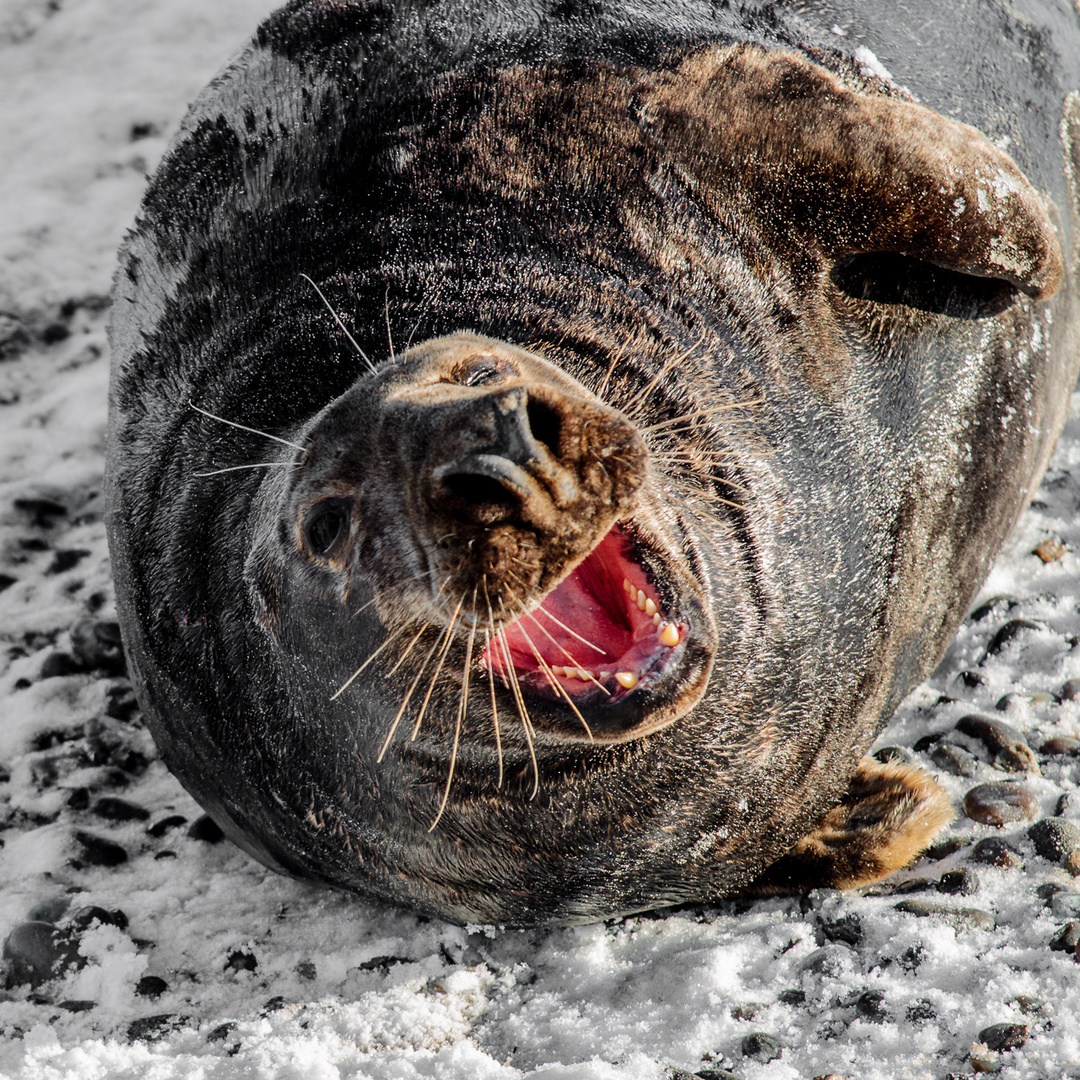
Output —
<point x="547" y="441"/>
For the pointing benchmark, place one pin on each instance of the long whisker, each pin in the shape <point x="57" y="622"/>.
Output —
<point x="391" y="588"/>
<point x="405" y="700"/>
<point x="244" y="427"/>
<point x="389" y="336"/>
<point x="700" y="413"/>
<point x="494" y="704"/>
<point x="463" y="705"/>
<point x="344" y="329"/>
<point x="550" y="676"/>
<point x="448" y="638"/>
<point x="391" y="638"/>
<point x="523" y="712"/>
<point x="646" y="391"/>
<point x="408" y="649"/>
<point x="584" y="641"/>
<point x="256" y="465"/>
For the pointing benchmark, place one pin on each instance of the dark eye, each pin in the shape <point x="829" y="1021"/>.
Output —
<point x="480" y="370"/>
<point x="326" y="526"/>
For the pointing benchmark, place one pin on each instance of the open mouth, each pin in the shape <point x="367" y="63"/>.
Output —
<point x="600" y="634"/>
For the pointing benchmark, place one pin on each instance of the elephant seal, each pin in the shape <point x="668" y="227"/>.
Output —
<point x="548" y="440"/>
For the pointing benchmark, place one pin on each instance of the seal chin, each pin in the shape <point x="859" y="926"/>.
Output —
<point x="622" y="655"/>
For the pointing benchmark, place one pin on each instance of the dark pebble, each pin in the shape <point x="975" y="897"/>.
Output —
<point x="920" y="1012"/>
<point x="66" y="560"/>
<point x="1065" y="905"/>
<point x="1071" y="690"/>
<point x="1068" y="806"/>
<point x="1013" y="630"/>
<point x="794" y="996"/>
<point x="96" y="645"/>
<point x="995" y="605"/>
<point x="79" y="799"/>
<point x="1004" y="1036"/>
<point x="1067" y="938"/>
<point x="954" y="759"/>
<point x="144" y="129"/>
<point x="847" y="928"/>
<point x="942" y="850"/>
<point x="673" y="1073"/>
<point x="241" y="961"/>
<point x="972" y="679"/>
<point x="49" y="911"/>
<point x="962" y="882"/>
<point x="996" y="851"/>
<point x="871" y="1006"/>
<point x="893" y="755"/>
<point x="1058" y="840"/>
<point x="205" y="828"/>
<point x="1049" y="889"/>
<point x="709" y="1073"/>
<point x="41" y="511"/>
<point x="114" y="809"/>
<point x="961" y="918"/>
<point x="1029" y="1006"/>
<point x="910" y="959"/>
<point x="221" y="1032"/>
<point x="165" y="855"/>
<point x="1060" y="746"/>
<point x="98" y="851"/>
<point x="927" y="741"/>
<point x="36" y="951"/>
<point x="59" y="663"/>
<point x="1008" y="748"/>
<point x="121" y="703"/>
<point x="762" y="1047"/>
<point x="151" y="1028"/>
<point x="160" y="828"/>
<point x="306" y="970"/>
<point x="151" y="986"/>
<point x="1000" y="803"/>
<point x="830" y="961"/>
<point x="77" y="1006"/>
<point x="85" y="917"/>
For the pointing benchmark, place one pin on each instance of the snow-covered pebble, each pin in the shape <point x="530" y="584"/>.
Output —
<point x="999" y="803"/>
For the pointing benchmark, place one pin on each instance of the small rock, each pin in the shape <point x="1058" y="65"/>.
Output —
<point x="1067" y="938"/>
<point x="893" y="755"/>
<point x="41" y="511"/>
<point x="927" y="741"/>
<point x="961" y="918"/>
<point x="114" y="809"/>
<point x="1030" y="1006"/>
<point x="152" y="1028"/>
<point x="954" y="759"/>
<point x="79" y="799"/>
<point x="831" y="961"/>
<point x="1050" y="550"/>
<point x="1007" y="747"/>
<point x="921" y="1011"/>
<point x="121" y="703"/>
<point x="1065" y="905"/>
<point x="58" y="664"/>
<point x="1000" y="803"/>
<point x="206" y="829"/>
<point x="1071" y="690"/>
<point x="36" y="951"/>
<point x="794" y="996"/>
<point x="85" y="917"/>
<point x="763" y="1047"/>
<point x="97" y="646"/>
<point x="306" y="970"/>
<point x="77" y="1006"/>
<point x="1004" y="1036"/>
<point x="1049" y="889"/>
<point x="49" y="911"/>
<point x="160" y="828"/>
<point x="1058" y="840"/>
<point x="1068" y="806"/>
<point x="151" y="986"/>
<point x="945" y="848"/>
<point x="1013" y="630"/>
<point x="962" y="882"/>
<point x="997" y="851"/>
<point x="871" y="1006"/>
<point x="710" y="1073"/>
<point x="993" y="606"/>
<point x="1060" y="746"/>
<point x="97" y="851"/>
<point x="747" y="1011"/>
<point x="241" y="961"/>
<point x="972" y="679"/>
<point x="847" y="928"/>
<point x="66" y="560"/>
<point x="221" y="1032"/>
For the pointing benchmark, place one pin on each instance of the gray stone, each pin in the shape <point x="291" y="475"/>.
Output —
<point x="763" y="1047"/>
<point x="37" y="951"/>
<point x="1000" y="803"/>
<point x="961" y="918"/>
<point x="1058" y="840"/>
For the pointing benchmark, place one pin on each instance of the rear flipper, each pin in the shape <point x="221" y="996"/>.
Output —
<point x="889" y="814"/>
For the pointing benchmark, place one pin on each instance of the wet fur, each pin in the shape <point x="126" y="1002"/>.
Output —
<point x="833" y="454"/>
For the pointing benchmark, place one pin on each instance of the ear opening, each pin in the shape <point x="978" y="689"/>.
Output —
<point x="890" y="277"/>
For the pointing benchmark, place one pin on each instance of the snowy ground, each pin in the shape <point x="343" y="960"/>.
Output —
<point x="220" y="969"/>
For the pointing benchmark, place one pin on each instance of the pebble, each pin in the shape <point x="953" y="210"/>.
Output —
<point x="160" y="828"/>
<point x="763" y="1047"/>
<point x="86" y="917"/>
<point x="1007" y="747"/>
<point x="1061" y="746"/>
<point x="151" y="986"/>
<point x="1068" y="806"/>
<point x="1050" y="550"/>
<point x="97" y="851"/>
<point x="962" y="882"/>
<point x="1058" y="840"/>
<point x="49" y="911"/>
<point x="794" y="996"/>
<point x="57" y="664"/>
<point x="205" y="828"/>
<point x="1065" y="905"/>
<point x="77" y="1006"/>
<point x="1010" y="632"/>
<point x="871" y="1006"/>
<point x="114" y="809"/>
<point x="954" y="759"/>
<point x="847" y="928"/>
<point x="997" y="851"/>
<point x="961" y="918"/>
<point x="241" y="961"/>
<point x="710" y="1073"/>
<point x="999" y="803"/>
<point x="221" y="1032"/>
<point x="96" y="644"/>
<point x="152" y="1028"/>
<point x="1067" y="938"/>
<point x="36" y="951"/>
<point x="1002" y="602"/>
<point x="1004" y="1036"/>
<point x="945" y="848"/>
<point x="893" y="755"/>
<point x="1071" y="690"/>
<point x="816" y="899"/>
<point x="921" y="1012"/>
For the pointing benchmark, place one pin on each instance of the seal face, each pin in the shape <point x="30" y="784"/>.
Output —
<point x="542" y="456"/>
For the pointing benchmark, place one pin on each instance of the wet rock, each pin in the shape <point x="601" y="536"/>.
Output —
<point x="847" y="928"/>
<point x="113" y="809"/>
<point x="830" y="961"/>
<point x="42" y="512"/>
<point x="928" y="741"/>
<point x="1004" y="1036"/>
<point x="1049" y="889"/>
<point x="50" y="911"/>
<point x="97" y="851"/>
<point x="1067" y="938"/>
<point x="96" y="644"/>
<point x="997" y="851"/>
<point x="962" y="882"/>
<point x="37" y="951"/>
<point x="1014" y="630"/>
<point x="85" y="917"/>
<point x="871" y="1006"/>
<point x="79" y="799"/>
<point x="1007" y="747"/>
<point x="954" y="759"/>
<point x="763" y="1047"/>
<point x="999" y="803"/>
<point x="160" y="828"/>
<point x="206" y="829"/>
<point x="1071" y="690"/>
<point x="961" y="918"/>
<point x="712" y="1073"/>
<point x="893" y="755"/>
<point x="1058" y="840"/>
<point x="1061" y="746"/>
<point x="151" y="986"/>
<point x="972" y="679"/>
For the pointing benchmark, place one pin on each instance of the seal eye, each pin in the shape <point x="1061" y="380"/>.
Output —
<point x="482" y="371"/>
<point x="326" y="526"/>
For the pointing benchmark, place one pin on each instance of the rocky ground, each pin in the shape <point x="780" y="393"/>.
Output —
<point x="138" y="943"/>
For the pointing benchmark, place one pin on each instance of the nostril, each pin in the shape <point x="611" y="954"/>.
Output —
<point x="484" y="496"/>
<point x="545" y="424"/>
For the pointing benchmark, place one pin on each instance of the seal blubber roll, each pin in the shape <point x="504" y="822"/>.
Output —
<point x="547" y="444"/>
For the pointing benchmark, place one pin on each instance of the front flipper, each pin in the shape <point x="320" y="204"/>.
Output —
<point x="889" y="814"/>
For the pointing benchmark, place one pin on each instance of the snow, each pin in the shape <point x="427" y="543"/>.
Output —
<point x="344" y="988"/>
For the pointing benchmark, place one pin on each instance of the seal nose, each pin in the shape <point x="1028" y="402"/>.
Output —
<point x="514" y="437"/>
